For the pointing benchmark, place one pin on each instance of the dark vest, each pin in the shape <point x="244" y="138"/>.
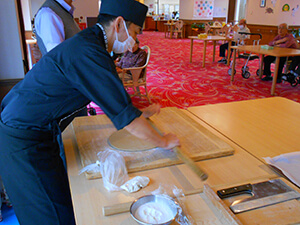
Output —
<point x="70" y="26"/>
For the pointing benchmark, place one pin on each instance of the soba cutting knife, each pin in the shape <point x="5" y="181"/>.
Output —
<point x="263" y="194"/>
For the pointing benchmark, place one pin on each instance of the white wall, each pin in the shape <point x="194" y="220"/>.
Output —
<point x="11" y="61"/>
<point x="257" y="15"/>
<point x="86" y="8"/>
<point x="35" y="5"/>
<point x="186" y="8"/>
<point x="26" y="10"/>
<point x="221" y="8"/>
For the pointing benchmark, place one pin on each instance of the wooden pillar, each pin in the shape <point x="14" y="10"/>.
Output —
<point x="231" y="10"/>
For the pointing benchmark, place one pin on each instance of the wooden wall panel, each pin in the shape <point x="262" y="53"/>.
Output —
<point x="188" y="24"/>
<point x="268" y="32"/>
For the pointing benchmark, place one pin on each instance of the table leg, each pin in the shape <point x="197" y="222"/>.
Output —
<point x="191" y="51"/>
<point x="261" y="66"/>
<point x="275" y="75"/>
<point x="204" y="53"/>
<point x="171" y="31"/>
<point x="228" y="52"/>
<point x="166" y="30"/>
<point x="214" y="50"/>
<point x="233" y="64"/>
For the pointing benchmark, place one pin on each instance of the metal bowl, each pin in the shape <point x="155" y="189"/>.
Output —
<point x="161" y="202"/>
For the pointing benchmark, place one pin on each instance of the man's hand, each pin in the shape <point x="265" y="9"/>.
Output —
<point x="141" y="128"/>
<point x="171" y="140"/>
<point x="151" y="110"/>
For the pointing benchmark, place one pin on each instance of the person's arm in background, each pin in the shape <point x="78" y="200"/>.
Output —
<point x="286" y="42"/>
<point x="272" y="43"/>
<point x="50" y="28"/>
<point x="141" y="59"/>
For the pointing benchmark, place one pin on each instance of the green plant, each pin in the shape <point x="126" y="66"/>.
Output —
<point x="197" y="25"/>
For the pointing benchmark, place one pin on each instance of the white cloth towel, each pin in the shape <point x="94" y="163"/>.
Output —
<point x="288" y="164"/>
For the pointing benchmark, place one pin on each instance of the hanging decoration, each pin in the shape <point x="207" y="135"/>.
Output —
<point x="273" y="2"/>
<point x="263" y="3"/>
<point x="269" y="10"/>
<point x="285" y="8"/>
<point x="294" y="10"/>
<point x="203" y="9"/>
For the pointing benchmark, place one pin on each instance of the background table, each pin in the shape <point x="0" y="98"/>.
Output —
<point x="277" y="52"/>
<point x="263" y="127"/>
<point x="89" y="196"/>
<point x="214" y="39"/>
<point x="169" y="27"/>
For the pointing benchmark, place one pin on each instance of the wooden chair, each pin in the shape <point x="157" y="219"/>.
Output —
<point x="137" y="78"/>
<point x="235" y="28"/>
<point x="217" y="23"/>
<point x="225" y="30"/>
<point x="179" y="28"/>
<point x="167" y="29"/>
<point x="207" y="28"/>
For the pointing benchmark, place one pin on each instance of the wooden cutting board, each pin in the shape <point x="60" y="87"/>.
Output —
<point x="92" y="133"/>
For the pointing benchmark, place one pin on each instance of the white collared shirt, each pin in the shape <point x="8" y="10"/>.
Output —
<point x="50" y="27"/>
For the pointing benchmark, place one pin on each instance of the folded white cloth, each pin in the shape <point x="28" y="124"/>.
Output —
<point x="135" y="184"/>
<point x="288" y="164"/>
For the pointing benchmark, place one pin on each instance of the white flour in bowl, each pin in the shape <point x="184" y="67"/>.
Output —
<point x="154" y="213"/>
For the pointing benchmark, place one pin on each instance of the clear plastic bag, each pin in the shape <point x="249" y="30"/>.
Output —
<point x="111" y="165"/>
<point x="177" y="194"/>
<point x="113" y="169"/>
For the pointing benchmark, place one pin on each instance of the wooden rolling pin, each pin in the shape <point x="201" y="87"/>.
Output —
<point x="125" y="207"/>
<point x="185" y="158"/>
<point x="190" y="163"/>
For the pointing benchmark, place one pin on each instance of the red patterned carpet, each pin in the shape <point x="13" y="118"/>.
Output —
<point x="174" y="81"/>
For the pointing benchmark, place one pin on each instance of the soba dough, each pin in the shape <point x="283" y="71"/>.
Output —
<point x="123" y="140"/>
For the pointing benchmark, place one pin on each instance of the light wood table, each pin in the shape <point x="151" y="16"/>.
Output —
<point x="277" y="52"/>
<point x="214" y="39"/>
<point x="263" y="127"/>
<point x="89" y="196"/>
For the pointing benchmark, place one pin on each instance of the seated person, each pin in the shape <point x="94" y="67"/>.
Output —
<point x="135" y="58"/>
<point x="238" y="38"/>
<point x="283" y="40"/>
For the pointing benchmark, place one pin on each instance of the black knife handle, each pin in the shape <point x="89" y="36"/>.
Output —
<point x="242" y="189"/>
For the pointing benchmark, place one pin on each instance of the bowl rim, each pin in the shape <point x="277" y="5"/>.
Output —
<point x="161" y="196"/>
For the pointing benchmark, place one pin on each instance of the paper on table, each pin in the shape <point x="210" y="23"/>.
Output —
<point x="288" y="164"/>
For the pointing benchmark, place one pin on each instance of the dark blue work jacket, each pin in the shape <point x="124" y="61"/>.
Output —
<point x="77" y="71"/>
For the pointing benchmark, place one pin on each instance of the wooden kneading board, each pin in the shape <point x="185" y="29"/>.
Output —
<point x="92" y="133"/>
